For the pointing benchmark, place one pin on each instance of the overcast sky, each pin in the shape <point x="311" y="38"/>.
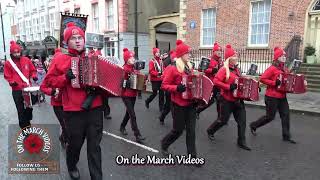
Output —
<point x="5" y="2"/>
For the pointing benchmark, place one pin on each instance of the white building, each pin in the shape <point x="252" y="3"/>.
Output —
<point x="37" y="19"/>
<point x="7" y="14"/>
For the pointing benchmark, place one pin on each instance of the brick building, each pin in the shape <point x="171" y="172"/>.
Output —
<point x="251" y="24"/>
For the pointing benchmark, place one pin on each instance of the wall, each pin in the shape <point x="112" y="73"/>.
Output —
<point x="232" y="21"/>
<point x="149" y="8"/>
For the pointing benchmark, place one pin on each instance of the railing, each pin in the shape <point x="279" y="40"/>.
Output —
<point x="261" y="57"/>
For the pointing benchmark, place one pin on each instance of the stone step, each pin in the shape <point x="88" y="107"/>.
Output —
<point x="315" y="73"/>
<point x="312" y="76"/>
<point x="312" y="85"/>
<point x="310" y="65"/>
<point x="313" y="81"/>
<point x="309" y="69"/>
<point x="314" y="89"/>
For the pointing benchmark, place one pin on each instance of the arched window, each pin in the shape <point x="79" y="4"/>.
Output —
<point x="316" y="6"/>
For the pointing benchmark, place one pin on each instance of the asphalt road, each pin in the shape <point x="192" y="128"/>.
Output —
<point x="270" y="159"/>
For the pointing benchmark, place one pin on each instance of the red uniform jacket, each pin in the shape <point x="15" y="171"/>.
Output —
<point x="26" y="67"/>
<point x="269" y="78"/>
<point x="172" y="78"/>
<point x="224" y="85"/>
<point x="154" y="73"/>
<point x="214" y="62"/>
<point x="55" y="101"/>
<point x="127" y="92"/>
<point x="72" y="98"/>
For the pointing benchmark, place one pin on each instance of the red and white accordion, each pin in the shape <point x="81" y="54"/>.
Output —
<point x="292" y="83"/>
<point x="31" y="95"/>
<point x="97" y="71"/>
<point x="247" y="89"/>
<point x="198" y="87"/>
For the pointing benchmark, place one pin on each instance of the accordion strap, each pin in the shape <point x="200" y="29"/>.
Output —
<point x="24" y="79"/>
<point x="158" y="67"/>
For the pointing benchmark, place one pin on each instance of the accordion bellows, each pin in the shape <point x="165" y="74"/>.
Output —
<point x="292" y="83"/>
<point x="247" y="89"/>
<point x="199" y="87"/>
<point x="97" y="71"/>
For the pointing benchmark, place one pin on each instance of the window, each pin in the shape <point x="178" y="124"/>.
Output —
<point x="109" y="48"/>
<point x="109" y="15"/>
<point x="259" y="23"/>
<point x="208" y="27"/>
<point x="316" y="7"/>
<point x="77" y="11"/>
<point x="95" y="17"/>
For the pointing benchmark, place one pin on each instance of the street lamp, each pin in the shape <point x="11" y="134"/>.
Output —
<point x="4" y="43"/>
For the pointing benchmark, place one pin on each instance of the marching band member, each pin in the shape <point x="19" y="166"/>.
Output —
<point x="129" y="97"/>
<point x="155" y="71"/>
<point x="167" y="104"/>
<point x="225" y="79"/>
<point x="27" y="69"/>
<point x="183" y="111"/>
<point x="81" y="122"/>
<point x="275" y="100"/>
<point x="56" y="103"/>
<point x="210" y="73"/>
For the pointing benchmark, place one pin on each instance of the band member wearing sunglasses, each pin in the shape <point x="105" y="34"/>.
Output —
<point x="28" y="70"/>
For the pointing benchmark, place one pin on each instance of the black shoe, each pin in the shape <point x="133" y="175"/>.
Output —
<point x="211" y="137"/>
<point x="140" y="139"/>
<point x="108" y="117"/>
<point x="290" y="141"/>
<point x="147" y="104"/>
<point x="197" y="116"/>
<point x="253" y="130"/>
<point x="244" y="146"/>
<point x="63" y="142"/>
<point x="164" y="152"/>
<point x="123" y="131"/>
<point x="74" y="174"/>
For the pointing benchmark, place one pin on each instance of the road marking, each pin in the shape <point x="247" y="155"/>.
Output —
<point x="131" y="142"/>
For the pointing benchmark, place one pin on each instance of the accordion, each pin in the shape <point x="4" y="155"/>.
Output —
<point x="198" y="87"/>
<point x="247" y="89"/>
<point x="97" y="71"/>
<point x="292" y="83"/>
<point x="137" y="81"/>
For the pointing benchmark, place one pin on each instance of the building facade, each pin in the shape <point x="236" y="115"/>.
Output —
<point x="251" y="24"/>
<point x="7" y="14"/>
<point x="37" y="19"/>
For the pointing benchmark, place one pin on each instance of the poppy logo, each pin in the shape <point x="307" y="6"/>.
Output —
<point x="75" y="31"/>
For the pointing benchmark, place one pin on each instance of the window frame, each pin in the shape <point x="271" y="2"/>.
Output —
<point x="109" y="15"/>
<point x="201" y="28"/>
<point x="95" y="17"/>
<point x="249" y="44"/>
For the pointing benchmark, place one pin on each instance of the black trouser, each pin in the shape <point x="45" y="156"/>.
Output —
<point x="156" y="86"/>
<point x="58" y="111"/>
<point x="19" y="102"/>
<point x="215" y="97"/>
<point x="81" y="125"/>
<point x="183" y="118"/>
<point x="166" y="107"/>
<point x="272" y="105"/>
<point x="106" y="107"/>
<point x="129" y="102"/>
<point x="239" y="114"/>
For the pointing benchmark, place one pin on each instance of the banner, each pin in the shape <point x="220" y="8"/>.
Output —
<point x="80" y="20"/>
<point x="94" y="40"/>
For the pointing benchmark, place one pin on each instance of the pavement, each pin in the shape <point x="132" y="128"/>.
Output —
<point x="270" y="158"/>
<point x="307" y="103"/>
